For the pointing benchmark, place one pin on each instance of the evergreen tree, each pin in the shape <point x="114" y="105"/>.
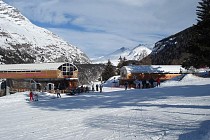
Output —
<point x="199" y="47"/>
<point x="109" y="71"/>
<point x="203" y="11"/>
<point x="122" y="62"/>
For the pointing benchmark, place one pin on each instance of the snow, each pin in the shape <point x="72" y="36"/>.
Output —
<point x="113" y="57"/>
<point x="176" y="110"/>
<point x="112" y="82"/>
<point x="15" y="29"/>
<point x="154" y="69"/>
<point x="137" y="53"/>
<point x="31" y="67"/>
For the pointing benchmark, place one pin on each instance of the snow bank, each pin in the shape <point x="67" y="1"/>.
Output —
<point x="112" y="82"/>
<point x="188" y="79"/>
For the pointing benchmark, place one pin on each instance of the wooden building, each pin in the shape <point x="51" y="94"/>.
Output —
<point x="21" y="76"/>
<point x="146" y="72"/>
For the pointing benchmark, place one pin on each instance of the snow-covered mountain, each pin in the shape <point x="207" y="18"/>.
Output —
<point x="23" y="42"/>
<point x="137" y="53"/>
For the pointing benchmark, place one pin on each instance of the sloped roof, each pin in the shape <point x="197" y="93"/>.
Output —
<point x="154" y="69"/>
<point x="30" y="67"/>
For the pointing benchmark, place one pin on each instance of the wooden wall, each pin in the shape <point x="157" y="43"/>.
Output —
<point x="31" y="75"/>
<point x="146" y="76"/>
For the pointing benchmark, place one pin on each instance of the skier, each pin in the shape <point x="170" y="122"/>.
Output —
<point x="93" y="87"/>
<point x="139" y="84"/>
<point x="101" y="86"/>
<point x="35" y="97"/>
<point x="31" y="96"/>
<point x="126" y="85"/>
<point x="151" y="81"/>
<point x="96" y="87"/>
<point x="144" y="83"/>
<point x="58" y="93"/>
<point x="158" y="81"/>
<point x="87" y="89"/>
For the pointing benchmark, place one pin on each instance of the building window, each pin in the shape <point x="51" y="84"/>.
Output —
<point x="67" y="69"/>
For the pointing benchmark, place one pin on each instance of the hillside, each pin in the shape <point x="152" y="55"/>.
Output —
<point x="23" y="42"/>
<point x="171" y="50"/>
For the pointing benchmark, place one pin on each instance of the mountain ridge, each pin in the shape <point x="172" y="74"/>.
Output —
<point x="23" y="42"/>
<point x="137" y="53"/>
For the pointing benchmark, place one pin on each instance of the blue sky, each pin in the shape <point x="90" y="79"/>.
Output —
<point x="100" y="27"/>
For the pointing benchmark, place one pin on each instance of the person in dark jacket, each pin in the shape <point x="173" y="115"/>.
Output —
<point x="144" y="82"/>
<point x="96" y="87"/>
<point x="58" y="93"/>
<point x="126" y="85"/>
<point x="101" y="86"/>
<point x="151" y="81"/>
<point x="93" y="88"/>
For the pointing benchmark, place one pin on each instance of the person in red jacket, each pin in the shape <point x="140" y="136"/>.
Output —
<point x="31" y="96"/>
<point x="158" y="82"/>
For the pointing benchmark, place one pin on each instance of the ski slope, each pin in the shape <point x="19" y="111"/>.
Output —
<point x="176" y="110"/>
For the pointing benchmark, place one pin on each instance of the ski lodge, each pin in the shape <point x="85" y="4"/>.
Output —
<point x="39" y="76"/>
<point x="145" y="72"/>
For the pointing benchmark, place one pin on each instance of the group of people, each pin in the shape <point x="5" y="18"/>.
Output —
<point x="98" y="87"/>
<point x="83" y="89"/>
<point x="144" y="83"/>
<point x="87" y="89"/>
<point x="33" y="96"/>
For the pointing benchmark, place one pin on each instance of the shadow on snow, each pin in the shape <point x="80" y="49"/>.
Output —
<point x="135" y="99"/>
<point x="201" y="133"/>
<point x="120" y="99"/>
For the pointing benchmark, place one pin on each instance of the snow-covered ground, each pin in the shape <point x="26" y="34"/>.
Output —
<point x="176" y="110"/>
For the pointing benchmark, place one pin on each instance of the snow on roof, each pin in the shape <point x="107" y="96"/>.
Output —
<point x="154" y="69"/>
<point x="30" y="67"/>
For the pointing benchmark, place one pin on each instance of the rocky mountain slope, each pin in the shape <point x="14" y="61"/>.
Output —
<point x="23" y="42"/>
<point x="171" y="50"/>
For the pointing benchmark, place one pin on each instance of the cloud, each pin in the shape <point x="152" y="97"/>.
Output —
<point x="108" y="24"/>
<point x="100" y="43"/>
